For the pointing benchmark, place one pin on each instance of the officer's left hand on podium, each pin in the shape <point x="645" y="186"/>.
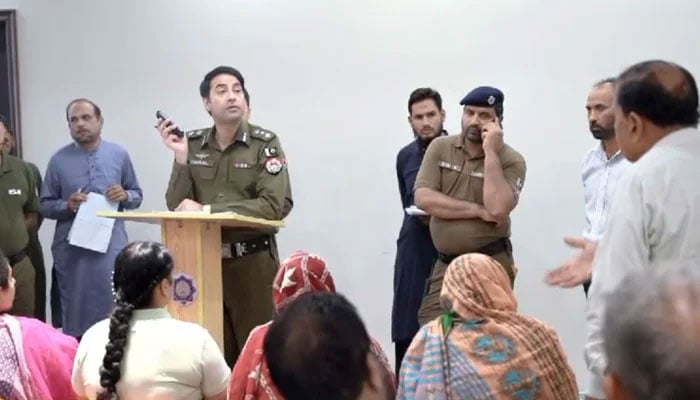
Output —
<point x="189" y="205"/>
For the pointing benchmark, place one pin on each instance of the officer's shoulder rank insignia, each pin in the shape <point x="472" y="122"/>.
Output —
<point x="262" y="134"/>
<point x="194" y="134"/>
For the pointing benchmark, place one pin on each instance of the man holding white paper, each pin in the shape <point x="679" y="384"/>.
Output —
<point x="95" y="174"/>
<point x="415" y="251"/>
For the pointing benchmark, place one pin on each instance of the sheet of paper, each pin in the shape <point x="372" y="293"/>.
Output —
<point x="90" y="231"/>
<point x="413" y="210"/>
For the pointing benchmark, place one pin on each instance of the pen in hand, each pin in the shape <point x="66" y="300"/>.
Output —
<point x="75" y="200"/>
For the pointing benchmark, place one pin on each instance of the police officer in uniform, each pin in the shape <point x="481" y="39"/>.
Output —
<point x="34" y="250"/>
<point x="240" y="167"/>
<point x="19" y="210"/>
<point x="469" y="184"/>
<point x="415" y="252"/>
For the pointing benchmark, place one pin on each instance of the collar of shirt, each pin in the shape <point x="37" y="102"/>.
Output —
<point x="150" y="313"/>
<point x="599" y="151"/>
<point x="4" y="164"/>
<point x="678" y="138"/>
<point x="422" y="145"/>
<point x="242" y="135"/>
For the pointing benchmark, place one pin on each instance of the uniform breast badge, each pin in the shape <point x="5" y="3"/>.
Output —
<point x="184" y="289"/>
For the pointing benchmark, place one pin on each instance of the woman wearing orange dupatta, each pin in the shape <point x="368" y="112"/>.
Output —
<point x="300" y="273"/>
<point x="35" y="359"/>
<point x="481" y="348"/>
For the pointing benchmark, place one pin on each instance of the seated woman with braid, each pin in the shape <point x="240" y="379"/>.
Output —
<point x="481" y="348"/>
<point x="300" y="273"/>
<point x="35" y="358"/>
<point x="141" y="353"/>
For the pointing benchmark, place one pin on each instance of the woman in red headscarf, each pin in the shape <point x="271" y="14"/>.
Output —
<point x="300" y="273"/>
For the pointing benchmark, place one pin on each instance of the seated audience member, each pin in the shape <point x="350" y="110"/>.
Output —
<point x="300" y="273"/>
<point x="317" y="348"/>
<point x="481" y="348"/>
<point x="35" y="358"/>
<point x="651" y="335"/>
<point x="141" y="353"/>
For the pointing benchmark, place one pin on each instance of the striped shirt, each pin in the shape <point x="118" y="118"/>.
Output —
<point x="600" y="176"/>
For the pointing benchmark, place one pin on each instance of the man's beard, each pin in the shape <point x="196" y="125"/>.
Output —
<point x="425" y="141"/>
<point x="473" y="134"/>
<point x="601" y="133"/>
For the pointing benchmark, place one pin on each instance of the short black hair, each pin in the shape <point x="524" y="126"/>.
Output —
<point x="421" y="94"/>
<point x="317" y="347"/>
<point x="95" y="107"/>
<point x="644" y="88"/>
<point x="246" y="96"/>
<point x="606" y="81"/>
<point x="205" y="86"/>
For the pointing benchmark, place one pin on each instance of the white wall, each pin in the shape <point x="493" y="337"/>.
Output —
<point x="332" y="79"/>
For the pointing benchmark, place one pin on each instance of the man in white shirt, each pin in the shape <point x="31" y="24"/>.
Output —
<point x="655" y="217"/>
<point x="601" y="170"/>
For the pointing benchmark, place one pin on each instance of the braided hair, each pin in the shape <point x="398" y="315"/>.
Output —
<point x="138" y="269"/>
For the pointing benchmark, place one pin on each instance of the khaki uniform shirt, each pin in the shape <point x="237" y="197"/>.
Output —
<point x="18" y="197"/>
<point x="449" y="169"/>
<point x="249" y="177"/>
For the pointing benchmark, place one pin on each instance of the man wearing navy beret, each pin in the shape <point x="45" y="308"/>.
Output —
<point x="469" y="184"/>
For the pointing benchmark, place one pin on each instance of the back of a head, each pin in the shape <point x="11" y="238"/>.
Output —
<point x="138" y="269"/>
<point x="662" y="92"/>
<point x="652" y="334"/>
<point x="317" y="348"/>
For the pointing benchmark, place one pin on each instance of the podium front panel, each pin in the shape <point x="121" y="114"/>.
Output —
<point x="197" y="284"/>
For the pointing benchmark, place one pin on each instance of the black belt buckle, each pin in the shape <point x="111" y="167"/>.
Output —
<point x="241" y="249"/>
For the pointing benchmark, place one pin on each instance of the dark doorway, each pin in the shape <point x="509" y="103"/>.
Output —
<point x="9" y="75"/>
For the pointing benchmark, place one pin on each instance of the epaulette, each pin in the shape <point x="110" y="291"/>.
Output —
<point x="196" y="133"/>
<point x="262" y="134"/>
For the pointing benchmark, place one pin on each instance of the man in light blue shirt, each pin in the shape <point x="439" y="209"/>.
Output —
<point x="88" y="164"/>
<point x="602" y="168"/>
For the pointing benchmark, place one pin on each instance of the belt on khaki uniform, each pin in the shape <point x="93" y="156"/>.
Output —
<point x="17" y="257"/>
<point x="491" y="249"/>
<point x="244" y="248"/>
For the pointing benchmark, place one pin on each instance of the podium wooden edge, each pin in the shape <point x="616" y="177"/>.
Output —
<point x="224" y="219"/>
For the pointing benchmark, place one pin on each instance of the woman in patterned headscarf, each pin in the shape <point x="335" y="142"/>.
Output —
<point x="300" y="273"/>
<point x="481" y="348"/>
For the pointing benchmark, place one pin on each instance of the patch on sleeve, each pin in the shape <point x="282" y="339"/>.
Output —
<point x="271" y="152"/>
<point x="274" y="165"/>
<point x="517" y="188"/>
<point x="519" y="184"/>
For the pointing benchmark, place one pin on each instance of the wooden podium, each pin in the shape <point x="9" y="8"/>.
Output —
<point x="194" y="239"/>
